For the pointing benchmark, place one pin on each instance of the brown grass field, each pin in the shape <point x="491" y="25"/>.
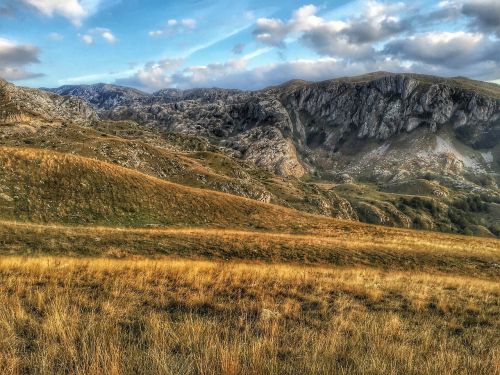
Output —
<point x="106" y="270"/>
<point x="329" y="300"/>
<point x="329" y="243"/>
<point x="171" y="316"/>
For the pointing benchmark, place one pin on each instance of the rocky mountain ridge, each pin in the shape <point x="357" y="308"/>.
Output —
<point x="335" y="127"/>
<point x="21" y="105"/>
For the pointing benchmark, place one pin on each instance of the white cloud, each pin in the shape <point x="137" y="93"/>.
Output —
<point x="271" y="31"/>
<point x="87" y="39"/>
<point x="157" y="75"/>
<point x="104" y="33"/>
<point x="14" y="58"/>
<point x="173" y="26"/>
<point x="384" y="31"/>
<point x="155" y="33"/>
<point x="451" y="49"/>
<point x="188" y="23"/>
<point x="109" y="37"/>
<point x="349" y="38"/>
<point x="74" y="10"/>
<point x="207" y="75"/>
<point x="153" y="75"/>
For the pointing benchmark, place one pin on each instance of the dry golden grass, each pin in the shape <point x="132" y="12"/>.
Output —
<point x="46" y="186"/>
<point x="168" y="316"/>
<point x="316" y="296"/>
<point x="329" y="242"/>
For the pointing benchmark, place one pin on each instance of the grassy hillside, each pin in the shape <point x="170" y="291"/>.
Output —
<point x="326" y="242"/>
<point x="112" y="269"/>
<point x="46" y="186"/>
<point x="195" y="162"/>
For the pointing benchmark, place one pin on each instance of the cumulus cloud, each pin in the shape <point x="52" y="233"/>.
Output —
<point x="87" y="39"/>
<point x="104" y="33"/>
<point x="74" y="10"/>
<point x="189" y="23"/>
<point x="400" y="32"/>
<point x="161" y="74"/>
<point x="108" y="37"/>
<point x="450" y="49"/>
<point x="207" y="75"/>
<point x="154" y="75"/>
<point x="350" y="38"/>
<point x="484" y="15"/>
<point x="155" y="33"/>
<point x="17" y="74"/>
<point x="174" y="26"/>
<point x="326" y="42"/>
<point x="14" y="59"/>
<point x="271" y="31"/>
<point x="16" y="54"/>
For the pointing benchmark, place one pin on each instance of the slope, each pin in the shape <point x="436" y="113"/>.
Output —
<point x="46" y="186"/>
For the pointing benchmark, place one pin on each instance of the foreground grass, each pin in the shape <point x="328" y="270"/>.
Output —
<point x="172" y="316"/>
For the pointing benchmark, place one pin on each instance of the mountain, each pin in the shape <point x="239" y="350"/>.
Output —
<point x="101" y="96"/>
<point x="380" y="127"/>
<point x="23" y="105"/>
<point x="289" y="145"/>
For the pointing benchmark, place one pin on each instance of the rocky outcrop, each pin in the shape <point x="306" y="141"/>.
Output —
<point x="387" y="106"/>
<point x="101" y="96"/>
<point x="22" y="105"/>
<point x="266" y="147"/>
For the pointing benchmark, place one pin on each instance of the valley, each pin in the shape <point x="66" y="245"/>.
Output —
<point x="282" y="231"/>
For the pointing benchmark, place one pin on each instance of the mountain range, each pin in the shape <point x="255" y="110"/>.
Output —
<point x="401" y="150"/>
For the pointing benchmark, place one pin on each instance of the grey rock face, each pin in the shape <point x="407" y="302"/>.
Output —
<point x="22" y="105"/>
<point x="387" y="106"/>
<point x="101" y="96"/>
<point x="339" y="126"/>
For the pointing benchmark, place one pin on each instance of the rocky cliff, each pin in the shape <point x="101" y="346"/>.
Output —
<point x="20" y="105"/>
<point x="416" y="124"/>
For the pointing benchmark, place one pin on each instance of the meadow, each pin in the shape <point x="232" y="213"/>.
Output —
<point x="106" y="270"/>
<point x="61" y="315"/>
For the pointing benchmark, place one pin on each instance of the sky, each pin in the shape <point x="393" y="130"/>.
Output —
<point x="244" y="44"/>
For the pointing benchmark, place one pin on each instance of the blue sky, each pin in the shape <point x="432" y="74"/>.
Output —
<point x="248" y="44"/>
